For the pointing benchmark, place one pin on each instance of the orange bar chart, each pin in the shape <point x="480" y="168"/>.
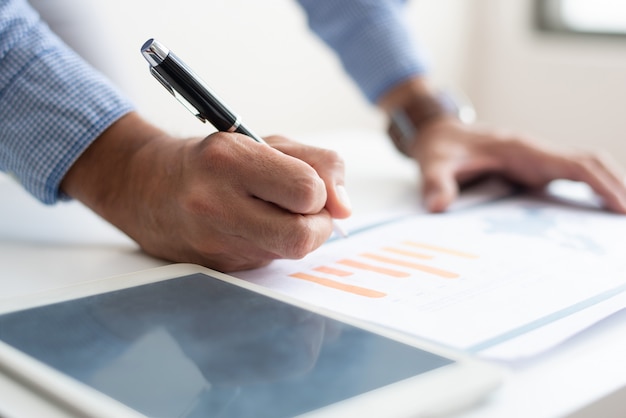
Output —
<point x="440" y="249"/>
<point x="372" y="268"/>
<point x="398" y="261"/>
<point x="414" y="266"/>
<point x="407" y="253"/>
<point x="333" y="271"/>
<point x="361" y="291"/>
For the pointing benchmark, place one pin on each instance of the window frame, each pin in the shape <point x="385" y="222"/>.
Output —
<point x="548" y="20"/>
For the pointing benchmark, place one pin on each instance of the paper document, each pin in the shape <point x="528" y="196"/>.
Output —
<point x="503" y="279"/>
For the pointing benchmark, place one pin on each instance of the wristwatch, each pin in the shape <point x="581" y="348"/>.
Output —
<point x="406" y="122"/>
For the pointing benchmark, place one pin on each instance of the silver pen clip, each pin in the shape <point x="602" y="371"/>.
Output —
<point x="178" y="97"/>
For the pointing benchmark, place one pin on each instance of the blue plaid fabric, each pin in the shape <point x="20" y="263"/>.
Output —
<point x="52" y="104"/>
<point x="371" y="38"/>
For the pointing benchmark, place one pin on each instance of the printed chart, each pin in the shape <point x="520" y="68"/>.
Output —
<point x="475" y="279"/>
<point x="388" y="266"/>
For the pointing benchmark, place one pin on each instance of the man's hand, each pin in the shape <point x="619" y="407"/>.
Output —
<point x="450" y="153"/>
<point x="224" y="201"/>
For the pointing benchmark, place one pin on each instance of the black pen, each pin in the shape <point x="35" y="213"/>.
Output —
<point x="195" y="94"/>
<point x="191" y="91"/>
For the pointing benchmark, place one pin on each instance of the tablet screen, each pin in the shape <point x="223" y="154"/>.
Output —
<point x="196" y="346"/>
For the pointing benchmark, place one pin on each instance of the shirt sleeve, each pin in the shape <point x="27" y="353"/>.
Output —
<point x="371" y="38"/>
<point x="52" y="104"/>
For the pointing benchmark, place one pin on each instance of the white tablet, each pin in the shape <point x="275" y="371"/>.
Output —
<point x="185" y="341"/>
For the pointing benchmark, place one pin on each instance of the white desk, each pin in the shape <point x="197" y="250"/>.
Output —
<point x="43" y="248"/>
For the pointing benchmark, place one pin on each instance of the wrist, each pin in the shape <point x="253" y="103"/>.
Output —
<point x="406" y="122"/>
<point x="105" y="175"/>
<point x="413" y="106"/>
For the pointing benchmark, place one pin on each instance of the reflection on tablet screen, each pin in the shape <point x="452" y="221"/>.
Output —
<point x="196" y="346"/>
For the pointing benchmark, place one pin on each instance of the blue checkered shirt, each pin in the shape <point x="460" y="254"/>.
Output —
<point x="371" y="38"/>
<point x="52" y="104"/>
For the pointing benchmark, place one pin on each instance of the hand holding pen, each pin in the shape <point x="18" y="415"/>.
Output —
<point x="225" y="201"/>
<point x="287" y="180"/>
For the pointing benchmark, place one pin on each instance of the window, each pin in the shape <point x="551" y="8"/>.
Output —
<point x="599" y="17"/>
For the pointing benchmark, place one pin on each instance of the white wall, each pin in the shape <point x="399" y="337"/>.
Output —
<point x="565" y="89"/>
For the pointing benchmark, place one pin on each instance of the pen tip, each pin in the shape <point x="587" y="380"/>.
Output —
<point x="339" y="229"/>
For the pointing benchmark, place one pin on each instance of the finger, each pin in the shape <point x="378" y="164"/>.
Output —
<point x="269" y="174"/>
<point x="603" y="176"/>
<point x="328" y="165"/>
<point x="440" y="187"/>
<point x="241" y="231"/>
<point x="330" y="168"/>
<point x="284" y="234"/>
<point x="536" y="166"/>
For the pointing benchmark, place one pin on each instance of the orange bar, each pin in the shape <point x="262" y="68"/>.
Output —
<point x="441" y="249"/>
<point x="334" y="272"/>
<point x="421" y="267"/>
<point x="361" y="291"/>
<point x="376" y="269"/>
<point x="408" y="253"/>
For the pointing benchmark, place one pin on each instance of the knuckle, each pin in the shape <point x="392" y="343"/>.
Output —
<point x="301" y="239"/>
<point x="331" y="156"/>
<point x="224" y="161"/>
<point x="219" y="149"/>
<point x="308" y="196"/>
<point x="332" y="160"/>
<point x="276" y="140"/>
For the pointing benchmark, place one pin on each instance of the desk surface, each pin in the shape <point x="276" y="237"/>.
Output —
<point x="43" y="248"/>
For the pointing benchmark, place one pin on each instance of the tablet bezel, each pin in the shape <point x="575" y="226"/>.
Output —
<point x="442" y="390"/>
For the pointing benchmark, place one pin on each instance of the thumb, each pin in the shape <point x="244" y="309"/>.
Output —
<point x="439" y="187"/>
<point x="338" y="203"/>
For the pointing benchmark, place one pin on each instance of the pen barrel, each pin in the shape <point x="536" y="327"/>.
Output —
<point x="197" y="93"/>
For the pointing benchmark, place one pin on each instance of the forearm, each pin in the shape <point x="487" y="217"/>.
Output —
<point x="375" y="44"/>
<point x="371" y="38"/>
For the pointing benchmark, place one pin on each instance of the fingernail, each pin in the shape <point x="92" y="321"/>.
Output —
<point x="342" y="194"/>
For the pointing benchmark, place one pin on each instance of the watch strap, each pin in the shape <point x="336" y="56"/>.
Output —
<point x="406" y="121"/>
